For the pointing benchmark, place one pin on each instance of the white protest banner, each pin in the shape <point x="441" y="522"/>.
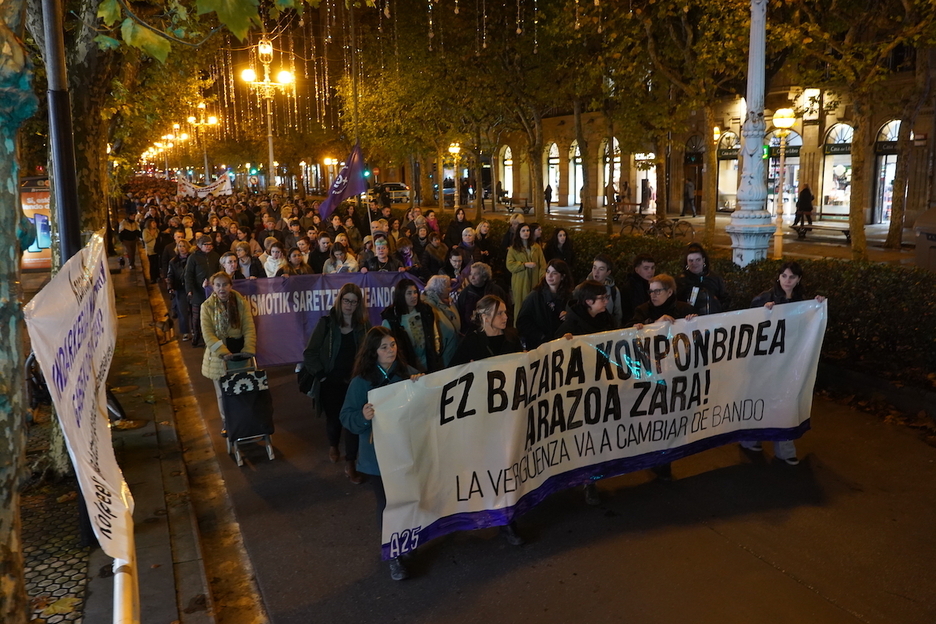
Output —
<point x="476" y="445"/>
<point x="221" y="186"/>
<point x="72" y="325"/>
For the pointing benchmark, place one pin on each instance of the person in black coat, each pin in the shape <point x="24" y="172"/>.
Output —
<point x="453" y="235"/>
<point x="701" y="287"/>
<point x="787" y="289"/>
<point x="804" y="206"/>
<point x="200" y="266"/>
<point x="587" y="315"/>
<point x="560" y="247"/>
<point x="413" y="324"/>
<point x="480" y="283"/>
<point x="663" y="304"/>
<point x="635" y="291"/>
<point x="492" y="337"/>
<point x="544" y="309"/>
<point x="588" y="312"/>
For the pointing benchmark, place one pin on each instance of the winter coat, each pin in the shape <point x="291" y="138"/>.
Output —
<point x="712" y="296"/>
<point x="539" y="319"/>
<point x="523" y="279"/>
<point x="393" y="322"/>
<point x="324" y="344"/>
<point x="634" y="292"/>
<point x="352" y="412"/>
<point x="199" y="267"/>
<point x="453" y="235"/>
<point x="579" y="322"/>
<point x="476" y="345"/>
<point x="647" y="313"/>
<point x="448" y="323"/>
<point x="777" y="296"/>
<point x="214" y="334"/>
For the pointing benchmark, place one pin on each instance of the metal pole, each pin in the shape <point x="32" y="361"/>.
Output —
<point x="778" y="234"/>
<point x="751" y="226"/>
<point x="204" y="147"/>
<point x="271" y="183"/>
<point x="64" y="169"/>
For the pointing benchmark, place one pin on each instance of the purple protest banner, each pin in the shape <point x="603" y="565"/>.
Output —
<point x="286" y="309"/>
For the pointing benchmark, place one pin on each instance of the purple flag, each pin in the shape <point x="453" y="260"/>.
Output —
<point x="350" y="182"/>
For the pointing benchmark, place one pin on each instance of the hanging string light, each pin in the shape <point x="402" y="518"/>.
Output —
<point x="477" y="28"/>
<point x="484" y="24"/>
<point x="519" y="19"/>
<point x="431" y="32"/>
<point x="578" y="24"/>
<point x="535" y="26"/>
<point x="456" y="7"/>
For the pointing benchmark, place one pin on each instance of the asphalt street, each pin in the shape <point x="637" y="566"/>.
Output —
<point x="844" y="537"/>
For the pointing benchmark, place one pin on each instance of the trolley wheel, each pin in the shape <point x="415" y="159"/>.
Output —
<point x="227" y="443"/>
<point x="237" y="455"/>
<point x="269" y="448"/>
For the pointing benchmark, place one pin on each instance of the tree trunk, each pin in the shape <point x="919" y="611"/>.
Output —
<point x="609" y="217"/>
<point x="710" y="182"/>
<point x="662" y="190"/>
<point x="440" y="178"/>
<point x="908" y="118"/>
<point x="585" y="196"/>
<point x="859" y="181"/>
<point x="425" y="181"/>
<point x="19" y="103"/>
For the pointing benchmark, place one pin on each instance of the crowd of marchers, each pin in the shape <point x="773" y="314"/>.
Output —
<point x="461" y="314"/>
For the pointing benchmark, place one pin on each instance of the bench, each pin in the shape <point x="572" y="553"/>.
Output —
<point x="803" y="230"/>
<point x="518" y="201"/>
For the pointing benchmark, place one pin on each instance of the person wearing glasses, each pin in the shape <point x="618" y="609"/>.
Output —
<point x="663" y="305"/>
<point x="665" y="308"/>
<point x="588" y="311"/>
<point x="588" y="314"/>
<point x="329" y="356"/>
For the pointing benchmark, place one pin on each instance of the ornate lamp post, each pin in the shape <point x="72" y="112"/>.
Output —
<point x="783" y="120"/>
<point x="202" y="122"/>
<point x="750" y="227"/>
<point x="454" y="149"/>
<point x="266" y="89"/>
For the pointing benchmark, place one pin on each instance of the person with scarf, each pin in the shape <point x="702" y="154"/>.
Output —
<point x="227" y="328"/>
<point x="438" y="296"/>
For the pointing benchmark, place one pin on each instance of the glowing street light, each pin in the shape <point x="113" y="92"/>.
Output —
<point x="266" y="89"/>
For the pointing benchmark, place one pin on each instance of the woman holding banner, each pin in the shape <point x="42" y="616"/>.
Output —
<point x="493" y="338"/>
<point x="378" y="363"/>
<point x="414" y="326"/>
<point x="788" y="288"/>
<point x="329" y="357"/>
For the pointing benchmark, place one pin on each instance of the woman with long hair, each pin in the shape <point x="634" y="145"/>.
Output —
<point x="248" y="266"/>
<point x="129" y="233"/>
<point x="295" y="264"/>
<point x="329" y="356"/>
<point x="544" y="309"/>
<point x="788" y="288"/>
<point x="227" y="329"/>
<point x="340" y="261"/>
<point x="378" y="363"/>
<point x="526" y="264"/>
<point x="492" y="338"/>
<point x="414" y="326"/>
<point x="453" y="235"/>
<point x="560" y="247"/>
<point x="274" y="260"/>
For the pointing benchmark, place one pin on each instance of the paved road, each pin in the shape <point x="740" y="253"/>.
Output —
<point x="846" y="536"/>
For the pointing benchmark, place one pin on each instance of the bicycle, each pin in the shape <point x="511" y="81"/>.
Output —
<point x="635" y="224"/>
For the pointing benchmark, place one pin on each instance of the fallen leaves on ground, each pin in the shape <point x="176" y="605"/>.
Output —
<point x="62" y="606"/>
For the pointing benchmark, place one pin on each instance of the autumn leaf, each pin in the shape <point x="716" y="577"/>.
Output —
<point x="109" y="12"/>
<point x="62" y="605"/>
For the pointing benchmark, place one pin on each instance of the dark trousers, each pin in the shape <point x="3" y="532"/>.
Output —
<point x="381" y="496"/>
<point x="331" y="398"/>
<point x="802" y="217"/>
<point x="153" y="268"/>
<point x="182" y="310"/>
<point x="197" y="340"/>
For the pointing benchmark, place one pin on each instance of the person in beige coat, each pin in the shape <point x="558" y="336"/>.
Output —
<point x="526" y="264"/>
<point x="227" y="328"/>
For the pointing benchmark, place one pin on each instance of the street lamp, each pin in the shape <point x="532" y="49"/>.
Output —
<point x="266" y="89"/>
<point x="783" y="120"/>
<point x="454" y="149"/>
<point x="201" y="122"/>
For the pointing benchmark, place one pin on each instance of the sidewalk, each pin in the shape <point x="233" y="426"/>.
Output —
<point x="173" y="587"/>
